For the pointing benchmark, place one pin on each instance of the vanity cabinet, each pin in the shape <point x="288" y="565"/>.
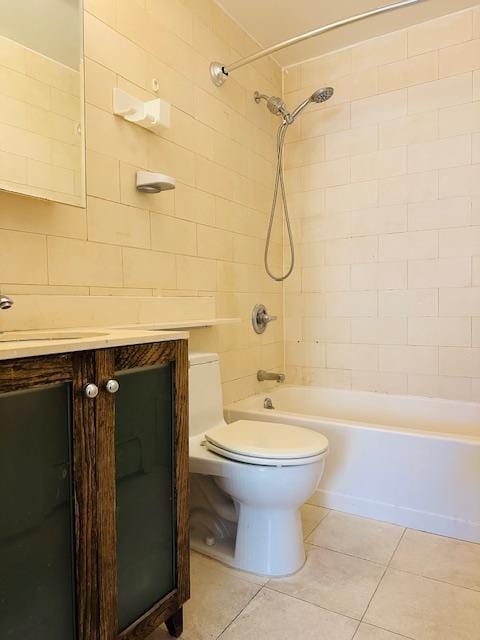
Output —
<point x="93" y="493"/>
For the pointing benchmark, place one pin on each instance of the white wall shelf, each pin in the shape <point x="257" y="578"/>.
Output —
<point x="182" y="324"/>
<point x="153" y="114"/>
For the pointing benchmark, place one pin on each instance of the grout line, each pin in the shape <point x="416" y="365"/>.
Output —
<point x="400" y="635"/>
<point x="349" y="555"/>
<point x="314" y="604"/>
<point x="240" y="612"/>
<point x="317" y="525"/>
<point x="437" y="580"/>
<point x="356" y="630"/>
<point x="373" y="594"/>
<point x="382" y="577"/>
<point x="396" y="547"/>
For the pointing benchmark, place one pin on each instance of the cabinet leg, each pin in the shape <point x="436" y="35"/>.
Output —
<point x="175" y="624"/>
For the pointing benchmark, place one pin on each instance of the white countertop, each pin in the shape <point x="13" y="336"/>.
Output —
<point x="24" y="344"/>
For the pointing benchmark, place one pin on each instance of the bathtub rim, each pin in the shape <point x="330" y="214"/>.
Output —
<point x="263" y="414"/>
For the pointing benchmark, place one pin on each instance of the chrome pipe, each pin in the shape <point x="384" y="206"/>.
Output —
<point x="219" y="72"/>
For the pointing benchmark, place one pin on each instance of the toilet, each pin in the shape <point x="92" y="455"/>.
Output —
<point x="248" y="481"/>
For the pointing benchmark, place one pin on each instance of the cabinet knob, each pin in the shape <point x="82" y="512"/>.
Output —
<point x="112" y="386"/>
<point x="90" y="390"/>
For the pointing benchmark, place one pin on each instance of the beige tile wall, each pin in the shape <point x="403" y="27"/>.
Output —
<point x="385" y="186"/>
<point x="204" y="239"/>
<point x="40" y="125"/>
<point x="383" y="182"/>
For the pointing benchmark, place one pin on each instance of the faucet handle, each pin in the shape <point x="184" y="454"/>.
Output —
<point x="261" y="318"/>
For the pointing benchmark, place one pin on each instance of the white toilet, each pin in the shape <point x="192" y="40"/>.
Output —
<point x="248" y="480"/>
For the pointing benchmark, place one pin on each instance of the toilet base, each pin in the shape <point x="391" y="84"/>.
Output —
<point x="223" y="550"/>
<point x="268" y="543"/>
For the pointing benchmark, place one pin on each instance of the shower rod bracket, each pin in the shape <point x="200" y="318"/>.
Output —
<point x="220" y="72"/>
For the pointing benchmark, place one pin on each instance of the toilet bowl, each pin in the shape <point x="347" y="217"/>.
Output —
<point x="248" y="481"/>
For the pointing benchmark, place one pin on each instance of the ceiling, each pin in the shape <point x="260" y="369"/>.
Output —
<point x="271" y="21"/>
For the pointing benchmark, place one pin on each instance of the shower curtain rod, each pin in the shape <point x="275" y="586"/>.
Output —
<point x="219" y="72"/>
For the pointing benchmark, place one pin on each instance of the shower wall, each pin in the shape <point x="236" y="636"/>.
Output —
<point x="384" y="183"/>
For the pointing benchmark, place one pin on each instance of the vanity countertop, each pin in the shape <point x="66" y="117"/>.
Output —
<point x="24" y="344"/>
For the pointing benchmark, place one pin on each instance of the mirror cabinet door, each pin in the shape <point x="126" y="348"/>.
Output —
<point x="42" y="150"/>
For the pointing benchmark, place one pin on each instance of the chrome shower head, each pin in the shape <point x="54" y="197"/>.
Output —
<point x="320" y="95"/>
<point x="278" y="107"/>
<point x="274" y="104"/>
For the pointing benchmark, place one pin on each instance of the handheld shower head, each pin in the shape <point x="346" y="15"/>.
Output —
<point x="318" y="96"/>
<point x="279" y="108"/>
<point x="322" y="95"/>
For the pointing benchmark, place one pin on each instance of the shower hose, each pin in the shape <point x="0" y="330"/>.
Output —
<point x="280" y="186"/>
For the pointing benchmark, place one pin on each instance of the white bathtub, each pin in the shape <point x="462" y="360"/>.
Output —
<point x="403" y="459"/>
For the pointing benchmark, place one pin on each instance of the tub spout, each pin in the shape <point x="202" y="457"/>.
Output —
<point x="267" y="375"/>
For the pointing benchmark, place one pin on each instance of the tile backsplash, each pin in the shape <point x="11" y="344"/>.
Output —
<point x="384" y="181"/>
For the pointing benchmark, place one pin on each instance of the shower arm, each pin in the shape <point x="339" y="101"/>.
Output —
<point x="219" y="72"/>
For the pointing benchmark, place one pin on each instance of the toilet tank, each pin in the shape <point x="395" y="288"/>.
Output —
<point x="205" y="389"/>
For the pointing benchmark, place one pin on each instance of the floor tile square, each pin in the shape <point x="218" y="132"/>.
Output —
<point x="335" y="581"/>
<point x="361" y="537"/>
<point x="275" y="616"/>
<point x="445" y="559"/>
<point x="425" y="609"/>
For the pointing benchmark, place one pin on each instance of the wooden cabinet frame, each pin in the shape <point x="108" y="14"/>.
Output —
<point x="94" y="478"/>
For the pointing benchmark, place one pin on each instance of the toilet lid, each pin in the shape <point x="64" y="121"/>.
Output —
<point x="266" y="440"/>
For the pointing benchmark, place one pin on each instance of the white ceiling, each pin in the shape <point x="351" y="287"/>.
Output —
<point x="271" y="21"/>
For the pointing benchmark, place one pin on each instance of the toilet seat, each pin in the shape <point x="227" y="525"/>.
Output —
<point x="266" y="443"/>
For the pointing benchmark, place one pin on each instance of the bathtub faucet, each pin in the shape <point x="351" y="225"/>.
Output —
<point x="266" y="375"/>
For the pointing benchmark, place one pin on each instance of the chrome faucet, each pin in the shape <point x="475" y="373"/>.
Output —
<point x="5" y="303"/>
<point x="268" y="404"/>
<point x="267" y="375"/>
<point x="261" y="318"/>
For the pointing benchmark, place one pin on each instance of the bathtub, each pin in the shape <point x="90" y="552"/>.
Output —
<point x="404" y="459"/>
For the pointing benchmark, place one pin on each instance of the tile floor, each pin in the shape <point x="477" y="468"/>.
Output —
<point x="363" y="580"/>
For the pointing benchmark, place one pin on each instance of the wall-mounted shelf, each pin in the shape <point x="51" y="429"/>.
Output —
<point x="153" y="114"/>
<point x="182" y="324"/>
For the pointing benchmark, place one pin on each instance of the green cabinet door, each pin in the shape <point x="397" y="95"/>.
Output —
<point x="37" y="585"/>
<point x="145" y="496"/>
